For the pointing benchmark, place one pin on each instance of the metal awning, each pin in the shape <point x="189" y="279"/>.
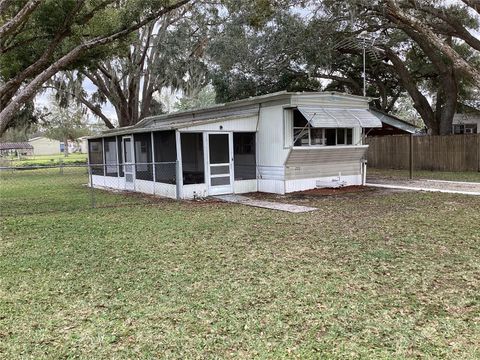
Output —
<point x="321" y="117"/>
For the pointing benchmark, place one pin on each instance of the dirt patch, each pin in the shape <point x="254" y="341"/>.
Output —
<point x="313" y="193"/>
<point x="333" y="191"/>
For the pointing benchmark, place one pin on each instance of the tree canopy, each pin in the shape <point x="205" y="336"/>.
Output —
<point x="128" y="50"/>
<point x="39" y="38"/>
<point x="435" y="62"/>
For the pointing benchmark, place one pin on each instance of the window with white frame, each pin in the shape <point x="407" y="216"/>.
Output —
<point x="306" y="135"/>
<point x="465" y="128"/>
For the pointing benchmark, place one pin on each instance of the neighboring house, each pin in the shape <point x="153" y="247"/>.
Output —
<point x="276" y="143"/>
<point x="83" y="144"/>
<point x="391" y="125"/>
<point x="466" y="120"/>
<point x="16" y="148"/>
<point x="45" y="146"/>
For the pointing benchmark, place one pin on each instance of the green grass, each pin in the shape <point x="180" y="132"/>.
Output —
<point x="39" y="160"/>
<point x="54" y="189"/>
<point x="369" y="275"/>
<point x="469" y="176"/>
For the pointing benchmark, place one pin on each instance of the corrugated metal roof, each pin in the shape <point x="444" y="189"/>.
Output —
<point x="15" y="145"/>
<point x="339" y="118"/>
<point x="395" y="122"/>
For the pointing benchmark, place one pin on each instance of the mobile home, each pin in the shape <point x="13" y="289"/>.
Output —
<point x="276" y="143"/>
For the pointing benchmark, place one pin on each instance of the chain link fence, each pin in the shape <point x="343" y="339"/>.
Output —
<point x="41" y="189"/>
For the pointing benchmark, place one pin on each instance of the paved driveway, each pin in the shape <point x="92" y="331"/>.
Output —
<point x="470" y="188"/>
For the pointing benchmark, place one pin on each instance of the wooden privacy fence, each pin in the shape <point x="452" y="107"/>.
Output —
<point x="442" y="152"/>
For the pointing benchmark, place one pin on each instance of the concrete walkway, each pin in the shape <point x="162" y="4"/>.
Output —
<point x="451" y="187"/>
<point x="239" y="199"/>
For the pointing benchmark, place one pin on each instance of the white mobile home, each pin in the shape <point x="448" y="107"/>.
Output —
<point x="277" y="143"/>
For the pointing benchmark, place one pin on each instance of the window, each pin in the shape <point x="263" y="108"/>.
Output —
<point x="192" y="158"/>
<point x="245" y="166"/>
<point x="322" y="137"/>
<point x="306" y="135"/>
<point x="110" y="148"/>
<point x="95" y="156"/>
<point x="465" y="128"/>
<point x="301" y="130"/>
<point x="143" y="156"/>
<point x="165" y="156"/>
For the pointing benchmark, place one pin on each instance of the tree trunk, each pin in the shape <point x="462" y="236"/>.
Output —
<point x="65" y="147"/>
<point x="17" y="100"/>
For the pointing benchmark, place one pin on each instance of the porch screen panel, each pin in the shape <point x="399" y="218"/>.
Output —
<point x="245" y="165"/>
<point x="110" y="148"/>
<point x="143" y="156"/>
<point x="95" y="156"/>
<point x="165" y="156"/>
<point x="192" y="158"/>
<point x="120" y="156"/>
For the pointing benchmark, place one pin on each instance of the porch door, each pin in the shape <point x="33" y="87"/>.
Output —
<point x="220" y="163"/>
<point x="128" y="163"/>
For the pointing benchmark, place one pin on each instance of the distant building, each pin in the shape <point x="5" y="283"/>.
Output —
<point x="16" y="148"/>
<point x="45" y="146"/>
<point x="83" y="144"/>
<point x="466" y="120"/>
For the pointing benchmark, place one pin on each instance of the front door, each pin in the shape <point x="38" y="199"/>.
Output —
<point x="220" y="163"/>
<point x="129" y="163"/>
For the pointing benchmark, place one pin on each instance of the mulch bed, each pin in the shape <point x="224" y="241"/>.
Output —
<point x="313" y="193"/>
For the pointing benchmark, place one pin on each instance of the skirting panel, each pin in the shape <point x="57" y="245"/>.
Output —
<point x="271" y="186"/>
<point x="245" y="186"/>
<point x="142" y="186"/>
<point x="308" y="184"/>
<point x="193" y="191"/>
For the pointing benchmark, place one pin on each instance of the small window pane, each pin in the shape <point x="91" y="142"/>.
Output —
<point x="300" y="137"/>
<point x="458" y="129"/>
<point x="317" y="136"/>
<point x="127" y="150"/>
<point x="470" y="128"/>
<point x="220" y="181"/>
<point x="218" y="170"/>
<point x="298" y="119"/>
<point x="349" y="136"/>
<point x="340" y="136"/>
<point x="331" y="136"/>
<point x="219" y="148"/>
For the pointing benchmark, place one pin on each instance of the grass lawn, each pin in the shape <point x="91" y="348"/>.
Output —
<point x="374" y="274"/>
<point x="39" y="160"/>
<point x="469" y="176"/>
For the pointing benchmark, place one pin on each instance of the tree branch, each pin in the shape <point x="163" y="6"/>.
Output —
<point x="474" y="4"/>
<point x="19" y="18"/>
<point x="7" y="113"/>
<point x="401" y="18"/>
<point x="94" y="108"/>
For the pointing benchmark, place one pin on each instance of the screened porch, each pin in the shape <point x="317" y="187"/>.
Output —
<point x="175" y="164"/>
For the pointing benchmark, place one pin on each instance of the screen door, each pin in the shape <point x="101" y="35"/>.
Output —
<point x="220" y="163"/>
<point x="128" y="164"/>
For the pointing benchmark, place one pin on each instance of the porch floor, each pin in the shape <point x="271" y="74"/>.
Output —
<point x="239" y="199"/>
